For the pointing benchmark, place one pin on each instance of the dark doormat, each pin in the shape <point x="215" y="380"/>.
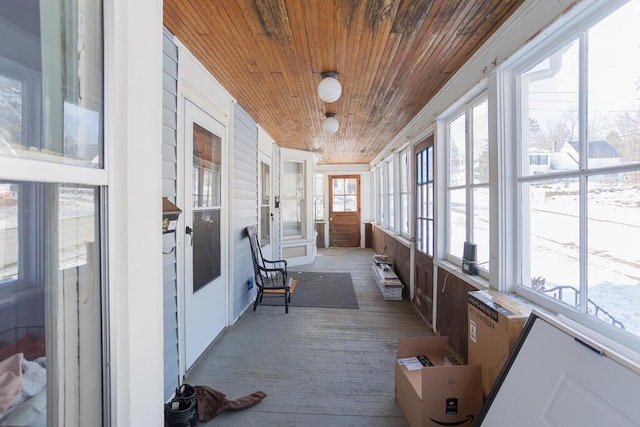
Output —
<point x="324" y="290"/>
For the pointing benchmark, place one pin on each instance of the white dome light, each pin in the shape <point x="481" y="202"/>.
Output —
<point x="330" y="124"/>
<point x="329" y="89"/>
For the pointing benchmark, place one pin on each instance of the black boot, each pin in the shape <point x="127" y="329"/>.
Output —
<point x="180" y="413"/>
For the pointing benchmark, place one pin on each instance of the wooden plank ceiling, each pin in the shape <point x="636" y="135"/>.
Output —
<point x="392" y="56"/>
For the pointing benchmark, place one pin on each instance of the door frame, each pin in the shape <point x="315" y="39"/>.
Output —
<point x="358" y="178"/>
<point x="427" y="141"/>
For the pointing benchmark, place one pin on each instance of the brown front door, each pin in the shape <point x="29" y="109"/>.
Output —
<point x="344" y="211"/>
<point x="424" y="198"/>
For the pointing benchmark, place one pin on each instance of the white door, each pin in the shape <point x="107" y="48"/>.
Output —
<point x="266" y="211"/>
<point x="205" y="288"/>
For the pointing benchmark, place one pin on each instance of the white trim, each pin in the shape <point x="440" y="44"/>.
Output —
<point x="42" y="171"/>
<point x="133" y="129"/>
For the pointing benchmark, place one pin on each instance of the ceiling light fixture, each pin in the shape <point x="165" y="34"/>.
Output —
<point x="330" y="123"/>
<point x="329" y="89"/>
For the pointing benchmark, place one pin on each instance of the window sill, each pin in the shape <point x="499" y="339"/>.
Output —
<point x="408" y="243"/>
<point x="478" y="282"/>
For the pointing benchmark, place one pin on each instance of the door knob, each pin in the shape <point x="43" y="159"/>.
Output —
<point x="189" y="231"/>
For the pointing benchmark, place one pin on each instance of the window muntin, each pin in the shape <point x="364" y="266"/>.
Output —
<point x="51" y="82"/>
<point x="424" y="201"/>
<point x="344" y="195"/>
<point x="318" y="198"/>
<point x="468" y="182"/>
<point x="573" y="253"/>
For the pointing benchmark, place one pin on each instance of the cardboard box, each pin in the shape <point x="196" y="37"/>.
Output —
<point x="442" y="394"/>
<point x="496" y="320"/>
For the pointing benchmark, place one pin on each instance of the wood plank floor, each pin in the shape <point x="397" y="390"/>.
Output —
<point x="318" y="367"/>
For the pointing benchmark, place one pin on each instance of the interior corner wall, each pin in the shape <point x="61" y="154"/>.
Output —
<point x="244" y="208"/>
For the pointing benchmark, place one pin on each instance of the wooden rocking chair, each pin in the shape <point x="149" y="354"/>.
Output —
<point x="270" y="275"/>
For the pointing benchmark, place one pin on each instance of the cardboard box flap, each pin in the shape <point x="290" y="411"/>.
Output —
<point x="506" y="304"/>
<point x="446" y="381"/>
<point x="414" y="346"/>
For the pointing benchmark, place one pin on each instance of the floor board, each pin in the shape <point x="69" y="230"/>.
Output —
<point x="318" y="366"/>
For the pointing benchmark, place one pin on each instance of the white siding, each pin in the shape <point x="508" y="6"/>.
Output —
<point x="169" y="144"/>
<point x="245" y="205"/>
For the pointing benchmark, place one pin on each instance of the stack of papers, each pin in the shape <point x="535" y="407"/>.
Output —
<point x="412" y="363"/>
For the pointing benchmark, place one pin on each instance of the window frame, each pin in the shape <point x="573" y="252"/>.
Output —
<point x="39" y="174"/>
<point x="390" y="185"/>
<point x="508" y="78"/>
<point x="405" y="193"/>
<point x="466" y="111"/>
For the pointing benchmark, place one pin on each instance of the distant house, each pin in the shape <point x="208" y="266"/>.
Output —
<point x="600" y="154"/>
<point x="539" y="161"/>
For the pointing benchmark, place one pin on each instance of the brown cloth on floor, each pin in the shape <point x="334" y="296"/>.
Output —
<point x="210" y="403"/>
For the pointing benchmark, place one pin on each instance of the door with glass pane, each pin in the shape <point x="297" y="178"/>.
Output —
<point x="205" y="291"/>
<point x="264" y="197"/>
<point x="344" y="211"/>
<point x="424" y="212"/>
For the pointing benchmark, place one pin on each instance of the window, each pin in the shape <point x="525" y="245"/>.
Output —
<point x="206" y="189"/>
<point x="424" y="201"/>
<point x="344" y="194"/>
<point x="265" y="203"/>
<point x="404" y="193"/>
<point x="390" y="205"/>
<point x="468" y="181"/>
<point x="51" y="82"/>
<point x="292" y="204"/>
<point x="380" y="174"/>
<point x="51" y="257"/>
<point x="318" y="198"/>
<point x="578" y="177"/>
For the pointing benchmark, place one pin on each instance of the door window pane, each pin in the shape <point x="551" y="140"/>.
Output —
<point x="207" y="168"/>
<point x="424" y="200"/>
<point x="207" y="195"/>
<point x="206" y="247"/>
<point x="344" y="195"/>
